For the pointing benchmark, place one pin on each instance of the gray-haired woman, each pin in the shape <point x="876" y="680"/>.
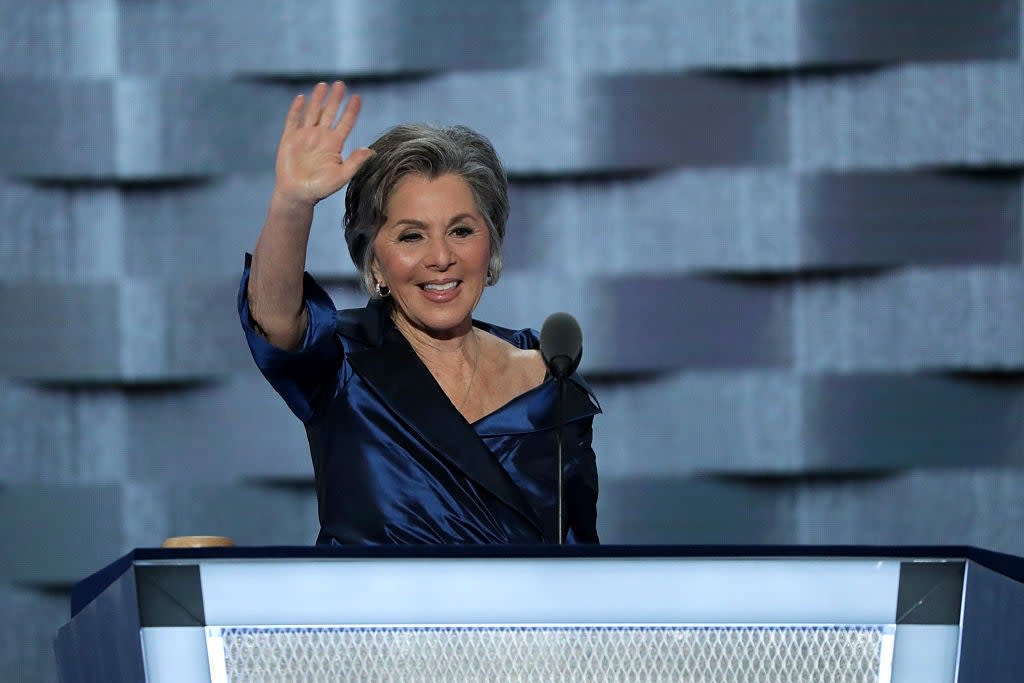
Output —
<point x="424" y="425"/>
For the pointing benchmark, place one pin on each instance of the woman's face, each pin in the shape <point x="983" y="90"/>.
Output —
<point x="433" y="252"/>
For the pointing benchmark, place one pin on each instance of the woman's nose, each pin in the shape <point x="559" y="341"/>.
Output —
<point x="440" y="255"/>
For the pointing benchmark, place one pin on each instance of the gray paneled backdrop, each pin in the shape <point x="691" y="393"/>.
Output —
<point x="792" y="230"/>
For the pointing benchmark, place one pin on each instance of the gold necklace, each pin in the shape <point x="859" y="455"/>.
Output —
<point x="476" y="364"/>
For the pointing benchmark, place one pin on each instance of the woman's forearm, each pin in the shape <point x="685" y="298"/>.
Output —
<point x="278" y="263"/>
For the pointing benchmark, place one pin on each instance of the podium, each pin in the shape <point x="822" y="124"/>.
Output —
<point x="594" y="614"/>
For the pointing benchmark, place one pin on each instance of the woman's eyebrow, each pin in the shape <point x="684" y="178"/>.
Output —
<point x="461" y="217"/>
<point x="420" y="224"/>
<point x="411" y="221"/>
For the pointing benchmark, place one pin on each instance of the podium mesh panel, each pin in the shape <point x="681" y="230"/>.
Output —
<point x="535" y="654"/>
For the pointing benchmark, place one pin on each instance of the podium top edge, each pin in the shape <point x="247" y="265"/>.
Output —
<point x="89" y="588"/>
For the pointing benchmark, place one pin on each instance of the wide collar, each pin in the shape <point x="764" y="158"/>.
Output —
<point x="390" y="366"/>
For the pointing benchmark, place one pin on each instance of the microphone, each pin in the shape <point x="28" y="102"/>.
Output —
<point x="561" y="344"/>
<point x="561" y="347"/>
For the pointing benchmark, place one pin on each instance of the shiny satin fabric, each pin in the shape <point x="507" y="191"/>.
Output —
<point x="393" y="459"/>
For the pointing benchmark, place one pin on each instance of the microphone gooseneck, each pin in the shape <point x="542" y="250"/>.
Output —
<point x="561" y="346"/>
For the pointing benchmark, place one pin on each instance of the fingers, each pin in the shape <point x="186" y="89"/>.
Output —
<point x="315" y="108"/>
<point x="323" y="107"/>
<point x="334" y="99"/>
<point x="349" y="116"/>
<point x="294" y="117"/>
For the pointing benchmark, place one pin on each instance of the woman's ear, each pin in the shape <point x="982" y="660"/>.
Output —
<point x="375" y="269"/>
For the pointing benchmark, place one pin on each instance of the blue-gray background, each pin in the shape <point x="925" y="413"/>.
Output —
<point x="791" y="230"/>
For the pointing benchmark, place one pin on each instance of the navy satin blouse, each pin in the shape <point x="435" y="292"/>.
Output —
<point x="393" y="459"/>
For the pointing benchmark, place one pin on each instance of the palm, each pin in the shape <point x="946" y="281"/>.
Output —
<point x="310" y="165"/>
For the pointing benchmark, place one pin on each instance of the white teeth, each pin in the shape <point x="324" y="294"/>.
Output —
<point x="441" y="288"/>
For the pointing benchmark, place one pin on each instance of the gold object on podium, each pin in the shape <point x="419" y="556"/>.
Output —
<point x="197" y="542"/>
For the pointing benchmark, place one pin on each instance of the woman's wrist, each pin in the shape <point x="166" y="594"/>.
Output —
<point x="295" y="214"/>
<point x="286" y="201"/>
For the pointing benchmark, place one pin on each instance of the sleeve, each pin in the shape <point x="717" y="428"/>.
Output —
<point x="582" y="488"/>
<point x="307" y="377"/>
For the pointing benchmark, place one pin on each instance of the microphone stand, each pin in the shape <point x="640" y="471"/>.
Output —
<point x="561" y="346"/>
<point x="559" y="440"/>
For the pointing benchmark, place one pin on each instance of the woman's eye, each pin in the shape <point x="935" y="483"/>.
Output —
<point x="409" y="237"/>
<point x="462" y="231"/>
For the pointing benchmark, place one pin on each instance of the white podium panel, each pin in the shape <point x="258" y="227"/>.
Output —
<point x="551" y="590"/>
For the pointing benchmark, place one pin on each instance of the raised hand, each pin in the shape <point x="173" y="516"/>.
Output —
<point x="309" y="164"/>
<point x="309" y="167"/>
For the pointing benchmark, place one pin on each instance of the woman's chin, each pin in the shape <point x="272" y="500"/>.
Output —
<point x="442" y="315"/>
<point x="437" y="324"/>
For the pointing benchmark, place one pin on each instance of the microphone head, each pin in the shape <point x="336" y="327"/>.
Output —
<point x="561" y="344"/>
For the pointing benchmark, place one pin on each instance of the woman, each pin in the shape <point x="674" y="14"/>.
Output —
<point x="424" y="425"/>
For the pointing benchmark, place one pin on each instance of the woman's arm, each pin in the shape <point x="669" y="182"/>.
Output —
<point x="309" y="167"/>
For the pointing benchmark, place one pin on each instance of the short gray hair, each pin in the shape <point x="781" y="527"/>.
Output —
<point x="430" y="151"/>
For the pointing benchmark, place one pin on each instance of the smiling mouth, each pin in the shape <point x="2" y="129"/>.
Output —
<point x="440" y="288"/>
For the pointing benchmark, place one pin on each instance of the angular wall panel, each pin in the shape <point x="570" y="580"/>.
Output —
<point x="938" y="319"/>
<point x="686" y="511"/>
<point x="132" y="331"/>
<point x="777" y="424"/>
<point x="925" y="508"/>
<point x="74" y="233"/>
<point x="916" y="30"/>
<point x="250" y="515"/>
<point x="137" y="128"/>
<point x="57" y="535"/>
<point x="981" y="508"/>
<point x="586" y="122"/>
<point x="61" y="328"/>
<point x="866" y="219"/>
<point x="897" y="117"/>
<point x="36" y="237"/>
<point x="865" y="421"/>
<point x="180" y="128"/>
<point x="26" y="633"/>
<point x="74" y="135"/>
<point x="51" y="38"/>
<point x="217" y="432"/>
<point x="947" y="319"/>
<point x="643" y="324"/>
<point x="665" y="35"/>
<point x="350" y="37"/>
<point x="106" y="37"/>
<point x="734" y="220"/>
<point x="763" y="221"/>
<point x="525" y="298"/>
<point x="52" y="435"/>
<point x="691" y="423"/>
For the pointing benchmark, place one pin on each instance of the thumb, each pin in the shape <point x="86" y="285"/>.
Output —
<point x="358" y="157"/>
